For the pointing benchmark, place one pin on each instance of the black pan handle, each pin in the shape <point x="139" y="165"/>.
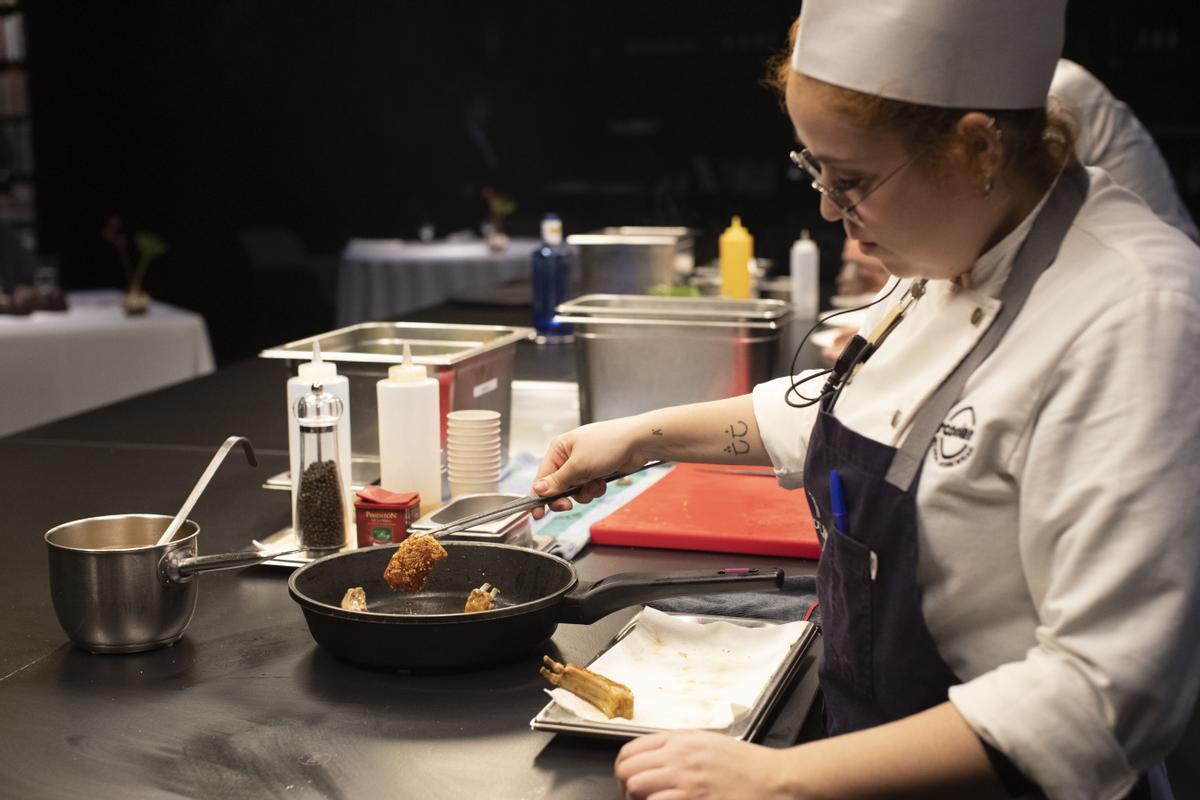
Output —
<point x="589" y="602"/>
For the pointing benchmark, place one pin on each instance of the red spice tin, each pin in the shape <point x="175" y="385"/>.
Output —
<point x="384" y="517"/>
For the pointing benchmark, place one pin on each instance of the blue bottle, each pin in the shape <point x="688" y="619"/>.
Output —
<point x="551" y="281"/>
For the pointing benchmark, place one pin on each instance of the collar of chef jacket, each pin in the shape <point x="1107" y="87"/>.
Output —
<point x="936" y="334"/>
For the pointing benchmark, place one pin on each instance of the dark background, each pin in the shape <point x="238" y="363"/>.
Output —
<point x="327" y="119"/>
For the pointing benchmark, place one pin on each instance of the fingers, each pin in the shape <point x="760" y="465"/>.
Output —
<point x="575" y="459"/>
<point x="641" y="745"/>
<point x="544" y="482"/>
<point x="590" y="491"/>
<point x="658" y="784"/>
<point x="643" y="768"/>
<point x="586" y="494"/>
<point x="558" y="480"/>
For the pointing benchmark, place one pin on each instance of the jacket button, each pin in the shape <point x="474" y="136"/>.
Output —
<point x="976" y="316"/>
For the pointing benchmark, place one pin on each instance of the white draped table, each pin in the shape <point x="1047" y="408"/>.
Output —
<point x="381" y="279"/>
<point x="57" y="363"/>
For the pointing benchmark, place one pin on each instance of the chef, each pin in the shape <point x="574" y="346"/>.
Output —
<point x="1004" y="472"/>
<point x="1109" y="135"/>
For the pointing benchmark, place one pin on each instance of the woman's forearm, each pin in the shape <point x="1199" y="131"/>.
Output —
<point x="931" y="754"/>
<point x="721" y="431"/>
<point x="716" y="432"/>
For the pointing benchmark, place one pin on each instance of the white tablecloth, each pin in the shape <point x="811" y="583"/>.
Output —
<point x="383" y="278"/>
<point x="55" y="364"/>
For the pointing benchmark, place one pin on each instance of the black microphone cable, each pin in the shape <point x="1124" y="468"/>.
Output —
<point x="852" y="353"/>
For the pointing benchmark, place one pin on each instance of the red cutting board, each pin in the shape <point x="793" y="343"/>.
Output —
<point x="698" y="507"/>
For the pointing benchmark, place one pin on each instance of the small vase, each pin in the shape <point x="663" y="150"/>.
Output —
<point x="497" y="241"/>
<point x="135" y="302"/>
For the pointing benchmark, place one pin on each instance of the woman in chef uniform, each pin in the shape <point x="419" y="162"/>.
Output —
<point x="1009" y="599"/>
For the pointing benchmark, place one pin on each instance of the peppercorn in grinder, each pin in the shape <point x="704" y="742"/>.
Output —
<point x="320" y="495"/>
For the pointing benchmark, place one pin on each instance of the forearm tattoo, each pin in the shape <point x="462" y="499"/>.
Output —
<point x="738" y="445"/>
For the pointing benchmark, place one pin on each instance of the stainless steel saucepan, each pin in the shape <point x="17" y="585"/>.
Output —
<point x="123" y="583"/>
<point x="115" y="590"/>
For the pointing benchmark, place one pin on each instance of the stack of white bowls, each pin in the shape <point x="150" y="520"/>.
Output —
<point x="473" y="451"/>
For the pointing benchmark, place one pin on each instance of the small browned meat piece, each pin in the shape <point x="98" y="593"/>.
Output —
<point x="614" y="699"/>
<point x="481" y="599"/>
<point x="412" y="562"/>
<point x="355" y="599"/>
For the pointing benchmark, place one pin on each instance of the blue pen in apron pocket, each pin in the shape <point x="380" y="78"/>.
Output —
<point x="837" y="499"/>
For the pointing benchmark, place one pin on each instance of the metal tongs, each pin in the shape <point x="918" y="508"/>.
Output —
<point x="524" y="504"/>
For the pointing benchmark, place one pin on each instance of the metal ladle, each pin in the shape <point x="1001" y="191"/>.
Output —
<point x="202" y="484"/>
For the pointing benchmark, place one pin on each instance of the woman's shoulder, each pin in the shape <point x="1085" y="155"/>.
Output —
<point x="1117" y="242"/>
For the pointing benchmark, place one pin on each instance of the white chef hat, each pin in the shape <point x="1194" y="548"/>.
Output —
<point x="993" y="54"/>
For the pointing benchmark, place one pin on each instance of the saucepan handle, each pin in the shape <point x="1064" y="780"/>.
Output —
<point x="589" y="602"/>
<point x="177" y="569"/>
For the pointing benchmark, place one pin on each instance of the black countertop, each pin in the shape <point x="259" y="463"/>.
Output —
<point x="246" y="704"/>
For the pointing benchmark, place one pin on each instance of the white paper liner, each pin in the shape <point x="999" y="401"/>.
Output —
<point x="688" y="674"/>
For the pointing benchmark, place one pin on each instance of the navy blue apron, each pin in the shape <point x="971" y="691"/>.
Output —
<point x="880" y="662"/>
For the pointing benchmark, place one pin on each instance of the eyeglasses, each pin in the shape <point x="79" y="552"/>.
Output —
<point x="838" y="195"/>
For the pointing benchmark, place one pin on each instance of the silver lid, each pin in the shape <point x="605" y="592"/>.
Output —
<point x="318" y="410"/>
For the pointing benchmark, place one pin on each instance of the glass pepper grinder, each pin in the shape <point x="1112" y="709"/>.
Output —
<point x="320" y="506"/>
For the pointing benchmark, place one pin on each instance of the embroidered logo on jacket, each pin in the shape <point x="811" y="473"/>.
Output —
<point x="952" y="442"/>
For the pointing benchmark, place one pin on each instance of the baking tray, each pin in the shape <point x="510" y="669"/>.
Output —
<point x="557" y="719"/>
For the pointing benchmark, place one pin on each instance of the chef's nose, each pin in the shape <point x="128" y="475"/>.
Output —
<point x="830" y="211"/>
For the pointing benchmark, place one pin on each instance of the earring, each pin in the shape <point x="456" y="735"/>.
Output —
<point x="987" y="188"/>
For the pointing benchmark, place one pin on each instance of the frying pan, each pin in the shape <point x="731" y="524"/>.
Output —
<point x="429" y="630"/>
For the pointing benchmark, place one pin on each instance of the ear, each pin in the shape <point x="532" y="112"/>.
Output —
<point x="982" y="147"/>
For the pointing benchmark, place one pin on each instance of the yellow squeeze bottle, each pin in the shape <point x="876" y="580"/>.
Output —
<point x="736" y="250"/>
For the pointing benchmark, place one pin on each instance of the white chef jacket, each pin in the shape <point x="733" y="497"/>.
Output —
<point x="1058" y="507"/>
<point x="1113" y="138"/>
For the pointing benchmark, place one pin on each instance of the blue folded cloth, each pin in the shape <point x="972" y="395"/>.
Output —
<point x="788" y="604"/>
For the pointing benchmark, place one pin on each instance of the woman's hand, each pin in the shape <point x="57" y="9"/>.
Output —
<point x="697" y="764"/>
<point x="719" y="431"/>
<point x="579" y="457"/>
<point x="933" y="753"/>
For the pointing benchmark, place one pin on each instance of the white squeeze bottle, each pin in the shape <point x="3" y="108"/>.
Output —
<point x="410" y="432"/>
<point x="806" y="277"/>
<point x="326" y="374"/>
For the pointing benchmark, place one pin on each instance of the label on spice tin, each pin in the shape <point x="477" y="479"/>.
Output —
<point x="386" y="523"/>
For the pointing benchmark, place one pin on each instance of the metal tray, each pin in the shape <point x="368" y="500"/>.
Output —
<point x="473" y="364"/>
<point x="675" y="350"/>
<point x="363" y="473"/>
<point x="554" y="718"/>
<point x="653" y="310"/>
<point x="516" y="528"/>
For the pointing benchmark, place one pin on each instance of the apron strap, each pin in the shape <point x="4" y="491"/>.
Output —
<point x="1036" y="253"/>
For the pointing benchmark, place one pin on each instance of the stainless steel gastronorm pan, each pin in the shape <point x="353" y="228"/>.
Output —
<point x="632" y="258"/>
<point x="636" y="352"/>
<point x="474" y="364"/>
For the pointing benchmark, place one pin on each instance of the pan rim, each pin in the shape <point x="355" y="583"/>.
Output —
<point x="49" y="536"/>
<point x="457" y="617"/>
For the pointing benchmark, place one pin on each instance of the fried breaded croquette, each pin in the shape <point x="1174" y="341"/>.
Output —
<point x="614" y="699"/>
<point x="412" y="562"/>
<point x="481" y="599"/>
<point x="355" y="599"/>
